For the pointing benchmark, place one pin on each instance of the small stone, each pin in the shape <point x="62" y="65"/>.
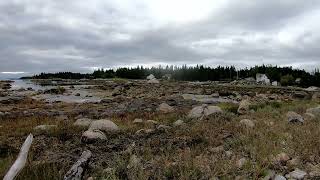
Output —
<point x="244" y="107"/>
<point x="165" y="108"/>
<point x="296" y="174"/>
<point x="294" y="117"/>
<point x="178" y="123"/>
<point x="103" y="125"/>
<point x="279" y="177"/>
<point x="93" y="135"/>
<point x="138" y="121"/>
<point x="218" y="149"/>
<point x="229" y="154"/>
<point x="241" y="162"/>
<point x="83" y="122"/>
<point x="163" y="127"/>
<point x="45" y="127"/>
<point x="282" y="158"/>
<point x="247" y="122"/>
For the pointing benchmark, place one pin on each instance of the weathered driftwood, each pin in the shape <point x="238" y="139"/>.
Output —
<point x="76" y="171"/>
<point x="21" y="160"/>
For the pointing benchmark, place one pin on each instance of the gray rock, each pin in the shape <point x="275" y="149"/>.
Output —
<point x="315" y="111"/>
<point x="294" y="117"/>
<point x="138" y="121"/>
<point x="178" y="123"/>
<point x="45" y="127"/>
<point x="296" y="174"/>
<point x="83" y="122"/>
<point x="93" y="135"/>
<point x="279" y="177"/>
<point x="204" y="110"/>
<point x="153" y="81"/>
<point x="163" y="127"/>
<point x="247" y="122"/>
<point x="62" y="118"/>
<point x="164" y="107"/>
<point x="103" y="125"/>
<point x="241" y="162"/>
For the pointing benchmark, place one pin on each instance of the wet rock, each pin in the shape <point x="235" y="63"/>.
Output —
<point x="83" y="122"/>
<point x="103" y="125"/>
<point x="204" y="110"/>
<point x="294" y="117"/>
<point x="165" y="108"/>
<point x="45" y="127"/>
<point x="296" y="174"/>
<point x="247" y="122"/>
<point x="244" y="107"/>
<point x="93" y="135"/>
<point x="217" y="149"/>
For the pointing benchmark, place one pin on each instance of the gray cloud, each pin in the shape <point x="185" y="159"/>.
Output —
<point x="78" y="36"/>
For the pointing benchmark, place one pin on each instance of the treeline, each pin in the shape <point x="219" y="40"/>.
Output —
<point x="284" y="75"/>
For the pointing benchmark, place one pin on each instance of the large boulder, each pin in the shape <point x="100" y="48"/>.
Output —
<point x="83" y="122"/>
<point x="244" y="107"/>
<point x="103" y="125"/>
<point x="204" y="110"/>
<point x="151" y="76"/>
<point x="93" y="135"/>
<point x="164" y="107"/>
<point x="294" y="117"/>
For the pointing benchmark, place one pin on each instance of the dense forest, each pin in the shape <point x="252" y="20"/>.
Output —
<point x="284" y="75"/>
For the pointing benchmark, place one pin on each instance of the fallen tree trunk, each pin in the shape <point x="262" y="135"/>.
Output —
<point x="21" y="160"/>
<point x="76" y="171"/>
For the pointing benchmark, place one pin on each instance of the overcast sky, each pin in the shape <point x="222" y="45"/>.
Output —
<point x="78" y="35"/>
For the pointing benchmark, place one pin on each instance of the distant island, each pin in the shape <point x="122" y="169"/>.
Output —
<point x="286" y="76"/>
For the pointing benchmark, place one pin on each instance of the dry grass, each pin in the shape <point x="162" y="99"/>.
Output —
<point x="180" y="153"/>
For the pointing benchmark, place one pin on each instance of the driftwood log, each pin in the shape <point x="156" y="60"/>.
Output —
<point x="76" y="171"/>
<point x="21" y="160"/>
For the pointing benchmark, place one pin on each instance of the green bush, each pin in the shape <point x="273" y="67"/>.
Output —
<point x="287" y="80"/>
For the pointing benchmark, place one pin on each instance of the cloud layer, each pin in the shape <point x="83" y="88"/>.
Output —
<point x="73" y="35"/>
